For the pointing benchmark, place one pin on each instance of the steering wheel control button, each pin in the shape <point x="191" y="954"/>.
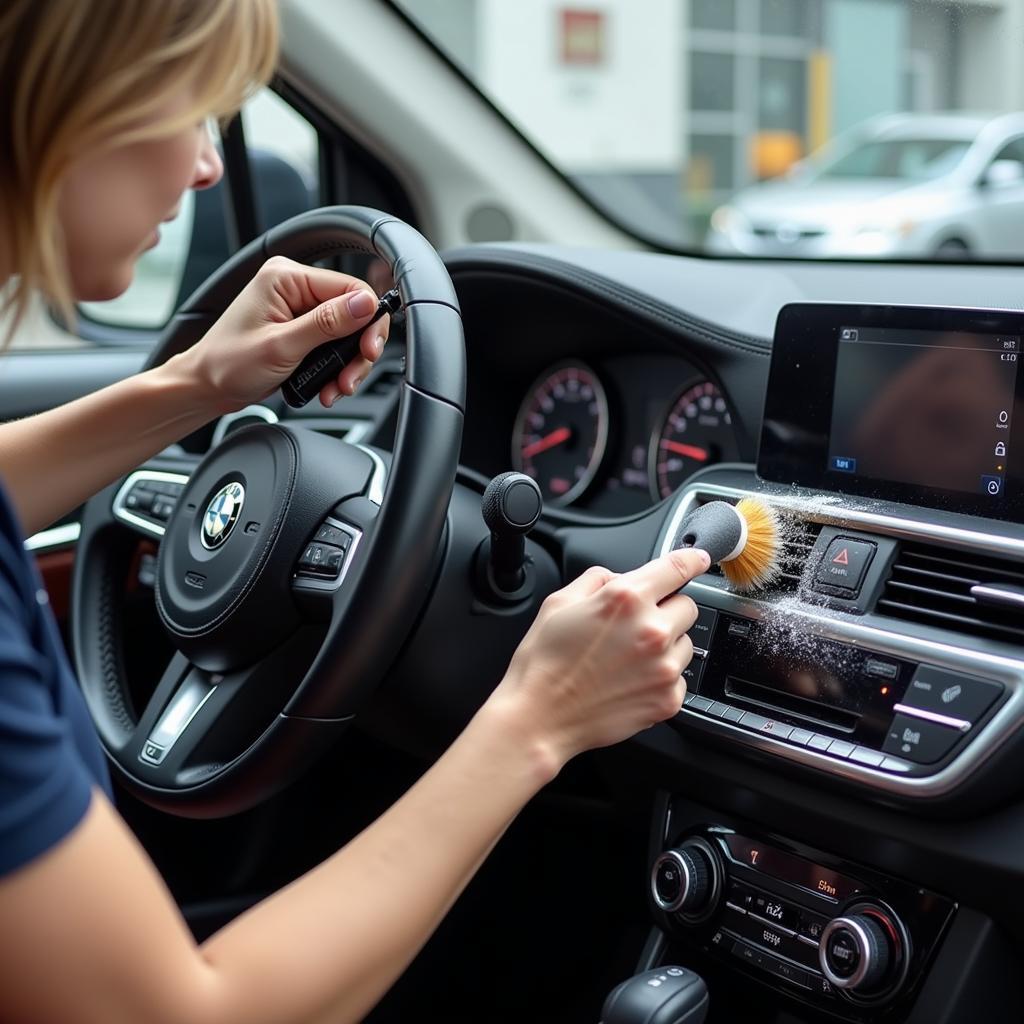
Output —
<point x="844" y="564"/>
<point x="919" y="740"/>
<point x="152" y="753"/>
<point x="951" y="694"/>
<point x="221" y="514"/>
<point x="328" y="534"/>
<point x="322" y="560"/>
<point x="702" y="631"/>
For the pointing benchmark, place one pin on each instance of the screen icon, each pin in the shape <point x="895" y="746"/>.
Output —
<point x="1001" y="450"/>
<point x="849" y="334"/>
<point x="1004" y="417"/>
<point x="844" y="464"/>
<point x="992" y="485"/>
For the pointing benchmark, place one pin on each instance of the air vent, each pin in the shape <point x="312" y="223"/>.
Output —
<point x="798" y="538"/>
<point x="932" y="585"/>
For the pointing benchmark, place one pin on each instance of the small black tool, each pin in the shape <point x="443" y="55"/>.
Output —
<point x="326" y="361"/>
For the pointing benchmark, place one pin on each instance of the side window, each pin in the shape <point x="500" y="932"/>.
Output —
<point x="1012" y="153"/>
<point x="282" y="150"/>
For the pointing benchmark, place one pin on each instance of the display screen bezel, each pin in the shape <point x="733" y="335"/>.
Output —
<point x="798" y="404"/>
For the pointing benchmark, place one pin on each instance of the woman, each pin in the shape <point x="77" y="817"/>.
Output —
<point x="105" y="107"/>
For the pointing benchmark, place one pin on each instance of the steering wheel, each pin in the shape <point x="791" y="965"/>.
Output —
<point x="291" y="565"/>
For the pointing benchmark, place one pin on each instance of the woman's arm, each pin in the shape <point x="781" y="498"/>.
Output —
<point x="98" y="939"/>
<point x="54" y="461"/>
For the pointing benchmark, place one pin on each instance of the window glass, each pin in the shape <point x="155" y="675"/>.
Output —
<point x="747" y="108"/>
<point x="283" y="156"/>
<point x="713" y="14"/>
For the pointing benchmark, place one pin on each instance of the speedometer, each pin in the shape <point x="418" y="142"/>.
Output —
<point x="561" y="431"/>
<point x="696" y="432"/>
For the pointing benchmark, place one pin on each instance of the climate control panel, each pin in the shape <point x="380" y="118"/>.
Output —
<point x="840" y="936"/>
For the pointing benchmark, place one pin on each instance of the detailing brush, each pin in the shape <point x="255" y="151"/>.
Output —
<point x="744" y="539"/>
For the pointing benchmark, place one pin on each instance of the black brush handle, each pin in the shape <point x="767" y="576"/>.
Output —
<point x="716" y="528"/>
<point x="326" y="361"/>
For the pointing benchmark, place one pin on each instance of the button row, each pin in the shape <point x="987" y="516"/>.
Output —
<point x="800" y="737"/>
<point x="791" y="920"/>
<point x="324" y="555"/>
<point x="754" y="956"/>
<point x="155" y="499"/>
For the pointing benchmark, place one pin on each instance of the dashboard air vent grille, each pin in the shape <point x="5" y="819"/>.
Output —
<point x="932" y="585"/>
<point x="798" y="539"/>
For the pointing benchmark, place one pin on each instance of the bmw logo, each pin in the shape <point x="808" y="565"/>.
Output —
<point x="222" y="514"/>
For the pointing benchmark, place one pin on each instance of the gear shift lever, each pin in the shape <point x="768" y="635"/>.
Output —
<point x="666" y="995"/>
<point x="511" y="507"/>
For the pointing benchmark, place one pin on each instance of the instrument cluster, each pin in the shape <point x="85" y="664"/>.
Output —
<point x="614" y="443"/>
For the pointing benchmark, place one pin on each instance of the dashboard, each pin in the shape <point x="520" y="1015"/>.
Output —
<point x="617" y="436"/>
<point x="839" y="814"/>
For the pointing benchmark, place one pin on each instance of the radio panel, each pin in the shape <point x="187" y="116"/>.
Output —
<point x="887" y="713"/>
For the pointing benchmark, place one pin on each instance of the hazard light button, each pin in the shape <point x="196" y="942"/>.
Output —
<point x="844" y="564"/>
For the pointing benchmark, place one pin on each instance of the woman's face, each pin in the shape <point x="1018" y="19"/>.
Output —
<point x="113" y="203"/>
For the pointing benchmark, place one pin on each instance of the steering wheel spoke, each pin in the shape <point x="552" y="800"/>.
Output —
<point x="198" y="722"/>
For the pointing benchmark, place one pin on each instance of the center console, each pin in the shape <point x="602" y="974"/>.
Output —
<point x="885" y="664"/>
<point x="838" y="936"/>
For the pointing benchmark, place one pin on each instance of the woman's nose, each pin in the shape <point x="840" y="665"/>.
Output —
<point x="209" y="166"/>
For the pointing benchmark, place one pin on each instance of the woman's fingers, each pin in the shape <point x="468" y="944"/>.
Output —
<point x="665" y="575"/>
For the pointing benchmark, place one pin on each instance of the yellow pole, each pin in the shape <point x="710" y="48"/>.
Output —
<point x="819" y="99"/>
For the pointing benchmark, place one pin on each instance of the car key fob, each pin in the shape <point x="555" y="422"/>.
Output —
<point x="326" y="361"/>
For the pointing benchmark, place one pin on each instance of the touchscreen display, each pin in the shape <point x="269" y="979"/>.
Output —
<point x="926" y="408"/>
<point x="912" y="404"/>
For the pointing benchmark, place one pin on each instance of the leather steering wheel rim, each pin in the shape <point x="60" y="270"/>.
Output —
<point x="389" y="577"/>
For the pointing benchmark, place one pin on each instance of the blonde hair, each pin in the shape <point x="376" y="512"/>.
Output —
<point x="80" y="76"/>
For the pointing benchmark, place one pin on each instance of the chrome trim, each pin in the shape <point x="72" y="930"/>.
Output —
<point x="737" y="908"/>
<point x="260" y="411"/>
<point x="807" y="940"/>
<point x="375" y="490"/>
<point x="186" y="703"/>
<point x="671" y="906"/>
<point x="55" y="537"/>
<point x="932" y="716"/>
<point x="995" y="595"/>
<point x="120" y="512"/>
<point x="926" y="783"/>
<point x="323" y="583"/>
<point x="894" y="526"/>
<point x="865" y="953"/>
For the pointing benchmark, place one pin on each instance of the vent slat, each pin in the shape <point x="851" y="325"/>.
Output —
<point x="931" y="585"/>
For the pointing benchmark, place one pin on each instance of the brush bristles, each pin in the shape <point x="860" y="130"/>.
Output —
<point x="757" y="564"/>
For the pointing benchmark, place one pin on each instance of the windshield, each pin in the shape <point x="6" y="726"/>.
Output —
<point x="715" y="125"/>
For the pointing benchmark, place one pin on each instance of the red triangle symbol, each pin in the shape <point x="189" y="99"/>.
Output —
<point x="843" y="558"/>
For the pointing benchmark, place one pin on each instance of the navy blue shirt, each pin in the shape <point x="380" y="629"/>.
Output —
<point x="50" y="755"/>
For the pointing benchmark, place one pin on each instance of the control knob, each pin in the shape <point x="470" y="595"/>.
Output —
<point x="684" y="879"/>
<point x="860" y="952"/>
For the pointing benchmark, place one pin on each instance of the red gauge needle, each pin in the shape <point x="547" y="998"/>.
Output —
<point x="556" y="437"/>
<point x="691" y="451"/>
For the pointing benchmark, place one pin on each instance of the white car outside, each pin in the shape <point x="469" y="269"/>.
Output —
<point x="900" y="186"/>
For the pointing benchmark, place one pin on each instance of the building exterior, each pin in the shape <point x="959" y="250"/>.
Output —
<point x="675" y="104"/>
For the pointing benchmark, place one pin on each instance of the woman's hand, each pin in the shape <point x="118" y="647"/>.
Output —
<point x="281" y="315"/>
<point x="604" y="657"/>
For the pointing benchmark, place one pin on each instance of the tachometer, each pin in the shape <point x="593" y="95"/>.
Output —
<point x="561" y="431"/>
<point x="696" y="432"/>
